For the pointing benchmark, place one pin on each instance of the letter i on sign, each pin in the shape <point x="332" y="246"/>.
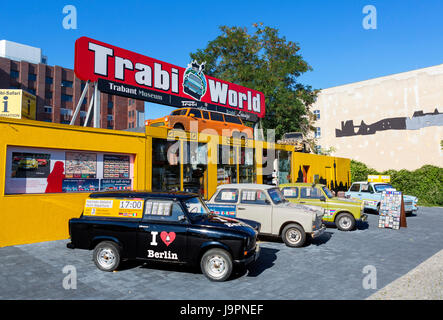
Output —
<point x="5" y="104"/>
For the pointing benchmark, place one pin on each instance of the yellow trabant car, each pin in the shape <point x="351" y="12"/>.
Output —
<point x="343" y="212"/>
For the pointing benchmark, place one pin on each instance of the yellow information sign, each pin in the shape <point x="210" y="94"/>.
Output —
<point x="17" y="104"/>
<point x="379" y="178"/>
<point x="114" y="208"/>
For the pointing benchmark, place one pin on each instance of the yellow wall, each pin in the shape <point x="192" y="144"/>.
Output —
<point x="28" y="218"/>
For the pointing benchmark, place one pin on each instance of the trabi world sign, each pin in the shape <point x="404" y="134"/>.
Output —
<point x="122" y="72"/>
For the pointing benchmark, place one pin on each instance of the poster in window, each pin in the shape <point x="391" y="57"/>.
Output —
<point x="115" y="184"/>
<point x="80" y="185"/>
<point x="116" y="166"/>
<point x="30" y="165"/>
<point x="81" y="165"/>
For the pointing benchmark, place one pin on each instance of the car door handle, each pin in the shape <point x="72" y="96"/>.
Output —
<point x="239" y="208"/>
<point x="302" y="202"/>
<point x="144" y="227"/>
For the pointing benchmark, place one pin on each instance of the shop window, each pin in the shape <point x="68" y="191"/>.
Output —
<point x="284" y="166"/>
<point x="269" y="174"/>
<point x="41" y="170"/>
<point x="227" y="196"/>
<point x="247" y="165"/>
<point x="165" y="165"/>
<point x="227" y="165"/>
<point x="195" y="160"/>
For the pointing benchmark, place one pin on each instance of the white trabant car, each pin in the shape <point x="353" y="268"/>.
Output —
<point x="267" y="205"/>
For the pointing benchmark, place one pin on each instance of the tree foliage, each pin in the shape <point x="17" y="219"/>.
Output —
<point x="266" y="62"/>
<point x="426" y="183"/>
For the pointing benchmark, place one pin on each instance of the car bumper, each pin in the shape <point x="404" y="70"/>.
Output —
<point x="318" y="232"/>
<point x="251" y="258"/>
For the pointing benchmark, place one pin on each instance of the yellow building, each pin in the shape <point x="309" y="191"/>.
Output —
<point x="49" y="169"/>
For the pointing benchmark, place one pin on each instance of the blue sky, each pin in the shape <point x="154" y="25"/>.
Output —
<point x="409" y="33"/>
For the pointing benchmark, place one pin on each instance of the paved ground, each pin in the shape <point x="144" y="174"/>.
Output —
<point x="425" y="282"/>
<point x="329" y="268"/>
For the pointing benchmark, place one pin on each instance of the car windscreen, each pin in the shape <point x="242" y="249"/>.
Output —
<point x="196" y="207"/>
<point x="328" y="192"/>
<point x="382" y="187"/>
<point x="276" y="195"/>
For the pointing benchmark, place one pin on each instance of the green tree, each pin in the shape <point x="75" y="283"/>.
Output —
<point x="266" y="62"/>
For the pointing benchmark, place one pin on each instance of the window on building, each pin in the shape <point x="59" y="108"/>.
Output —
<point x="49" y="80"/>
<point x="110" y="104"/>
<point x="48" y="95"/>
<point x="317" y="114"/>
<point x="67" y="83"/>
<point x="32" y="77"/>
<point x="14" y="74"/>
<point x="318" y="149"/>
<point x="110" y="117"/>
<point x="318" y="132"/>
<point x="31" y="91"/>
<point x="66" y="97"/>
<point x="65" y="112"/>
<point x="48" y="109"/>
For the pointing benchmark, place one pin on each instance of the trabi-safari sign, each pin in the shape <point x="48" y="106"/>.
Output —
<point x="122" y="72"/>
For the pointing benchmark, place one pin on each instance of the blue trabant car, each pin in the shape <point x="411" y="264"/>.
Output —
<point x="370" y="193"/>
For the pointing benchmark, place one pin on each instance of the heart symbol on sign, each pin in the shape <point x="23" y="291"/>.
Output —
<point x="167" y="238"/>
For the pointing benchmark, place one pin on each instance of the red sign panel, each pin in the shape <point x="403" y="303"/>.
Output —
<point x="127" y="73"/>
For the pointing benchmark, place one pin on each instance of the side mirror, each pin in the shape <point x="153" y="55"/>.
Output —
<point x="323" y="198"/>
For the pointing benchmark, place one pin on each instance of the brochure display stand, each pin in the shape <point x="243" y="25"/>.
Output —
<point x="392" y="210"/>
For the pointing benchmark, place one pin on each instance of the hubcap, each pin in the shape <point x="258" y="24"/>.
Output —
<point x="216" y="266"/>
<point x="345" y="222"/>
<point x="293" y="236"/>
<point x="106" y="258"/>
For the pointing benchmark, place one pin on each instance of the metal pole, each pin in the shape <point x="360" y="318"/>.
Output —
<point x="77" y="109"/>
<point x="96" y="107"/>
<point x="88" y="115"/>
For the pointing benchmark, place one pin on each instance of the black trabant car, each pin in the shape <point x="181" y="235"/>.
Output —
<point x="167" y="227"/>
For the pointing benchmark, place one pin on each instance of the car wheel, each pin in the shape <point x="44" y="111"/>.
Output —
<point x="293" y="235"/>
<point x="345" y="222"/>
<point x="216" y="264"/>
<point x="106" y="256"/>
